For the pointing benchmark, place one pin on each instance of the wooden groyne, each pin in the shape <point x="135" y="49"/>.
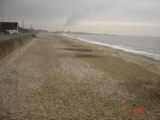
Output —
<point x="9" y="45"/>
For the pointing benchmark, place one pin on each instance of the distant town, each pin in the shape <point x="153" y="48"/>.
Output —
<point x="69" y="32"/>
<point x="13" y="28"/>
<point x="83" y="33"/>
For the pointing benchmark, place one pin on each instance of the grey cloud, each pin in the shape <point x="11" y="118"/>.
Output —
<point x="118" y="10"/>
<point x="72" y="12"/>
<point x="89" y="9"/>
<point x="80" y="9"/>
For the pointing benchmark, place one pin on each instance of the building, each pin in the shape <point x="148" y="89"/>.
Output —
<point x="10" y="27"/>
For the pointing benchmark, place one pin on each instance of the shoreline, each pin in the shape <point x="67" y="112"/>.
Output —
<point x="136" y="58"/>
<point x="132" y="51"/>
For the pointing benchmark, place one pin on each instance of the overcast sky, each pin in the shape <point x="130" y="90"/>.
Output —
<point x="121" y="17"/>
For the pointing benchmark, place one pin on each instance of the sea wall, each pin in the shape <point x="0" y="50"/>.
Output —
<point x="8" y="46"/>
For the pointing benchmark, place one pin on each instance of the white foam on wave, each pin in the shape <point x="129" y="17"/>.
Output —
<point x="120" y="47"/>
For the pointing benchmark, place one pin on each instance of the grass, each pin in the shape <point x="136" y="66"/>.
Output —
<point x="21" y="30"/>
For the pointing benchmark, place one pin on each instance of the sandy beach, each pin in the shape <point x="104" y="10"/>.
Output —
<point x="58" y="78"/>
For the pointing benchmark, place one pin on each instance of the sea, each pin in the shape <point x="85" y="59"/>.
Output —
<point x="141" y="45"/>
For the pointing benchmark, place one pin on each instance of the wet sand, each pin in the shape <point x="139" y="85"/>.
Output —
<point x="59" y="78"/>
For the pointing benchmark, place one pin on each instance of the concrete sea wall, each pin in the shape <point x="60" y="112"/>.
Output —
<point x="8" y="46"/>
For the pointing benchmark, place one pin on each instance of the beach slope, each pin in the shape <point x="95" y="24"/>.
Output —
<point x="58" y="78"/>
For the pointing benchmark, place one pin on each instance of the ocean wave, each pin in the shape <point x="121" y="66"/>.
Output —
<point x="120" y="47"/>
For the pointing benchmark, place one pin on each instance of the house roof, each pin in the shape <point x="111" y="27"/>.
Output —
<point x="9" y="25"/>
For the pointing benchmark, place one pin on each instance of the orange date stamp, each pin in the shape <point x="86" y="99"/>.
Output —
<point x="133" y="109"/>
